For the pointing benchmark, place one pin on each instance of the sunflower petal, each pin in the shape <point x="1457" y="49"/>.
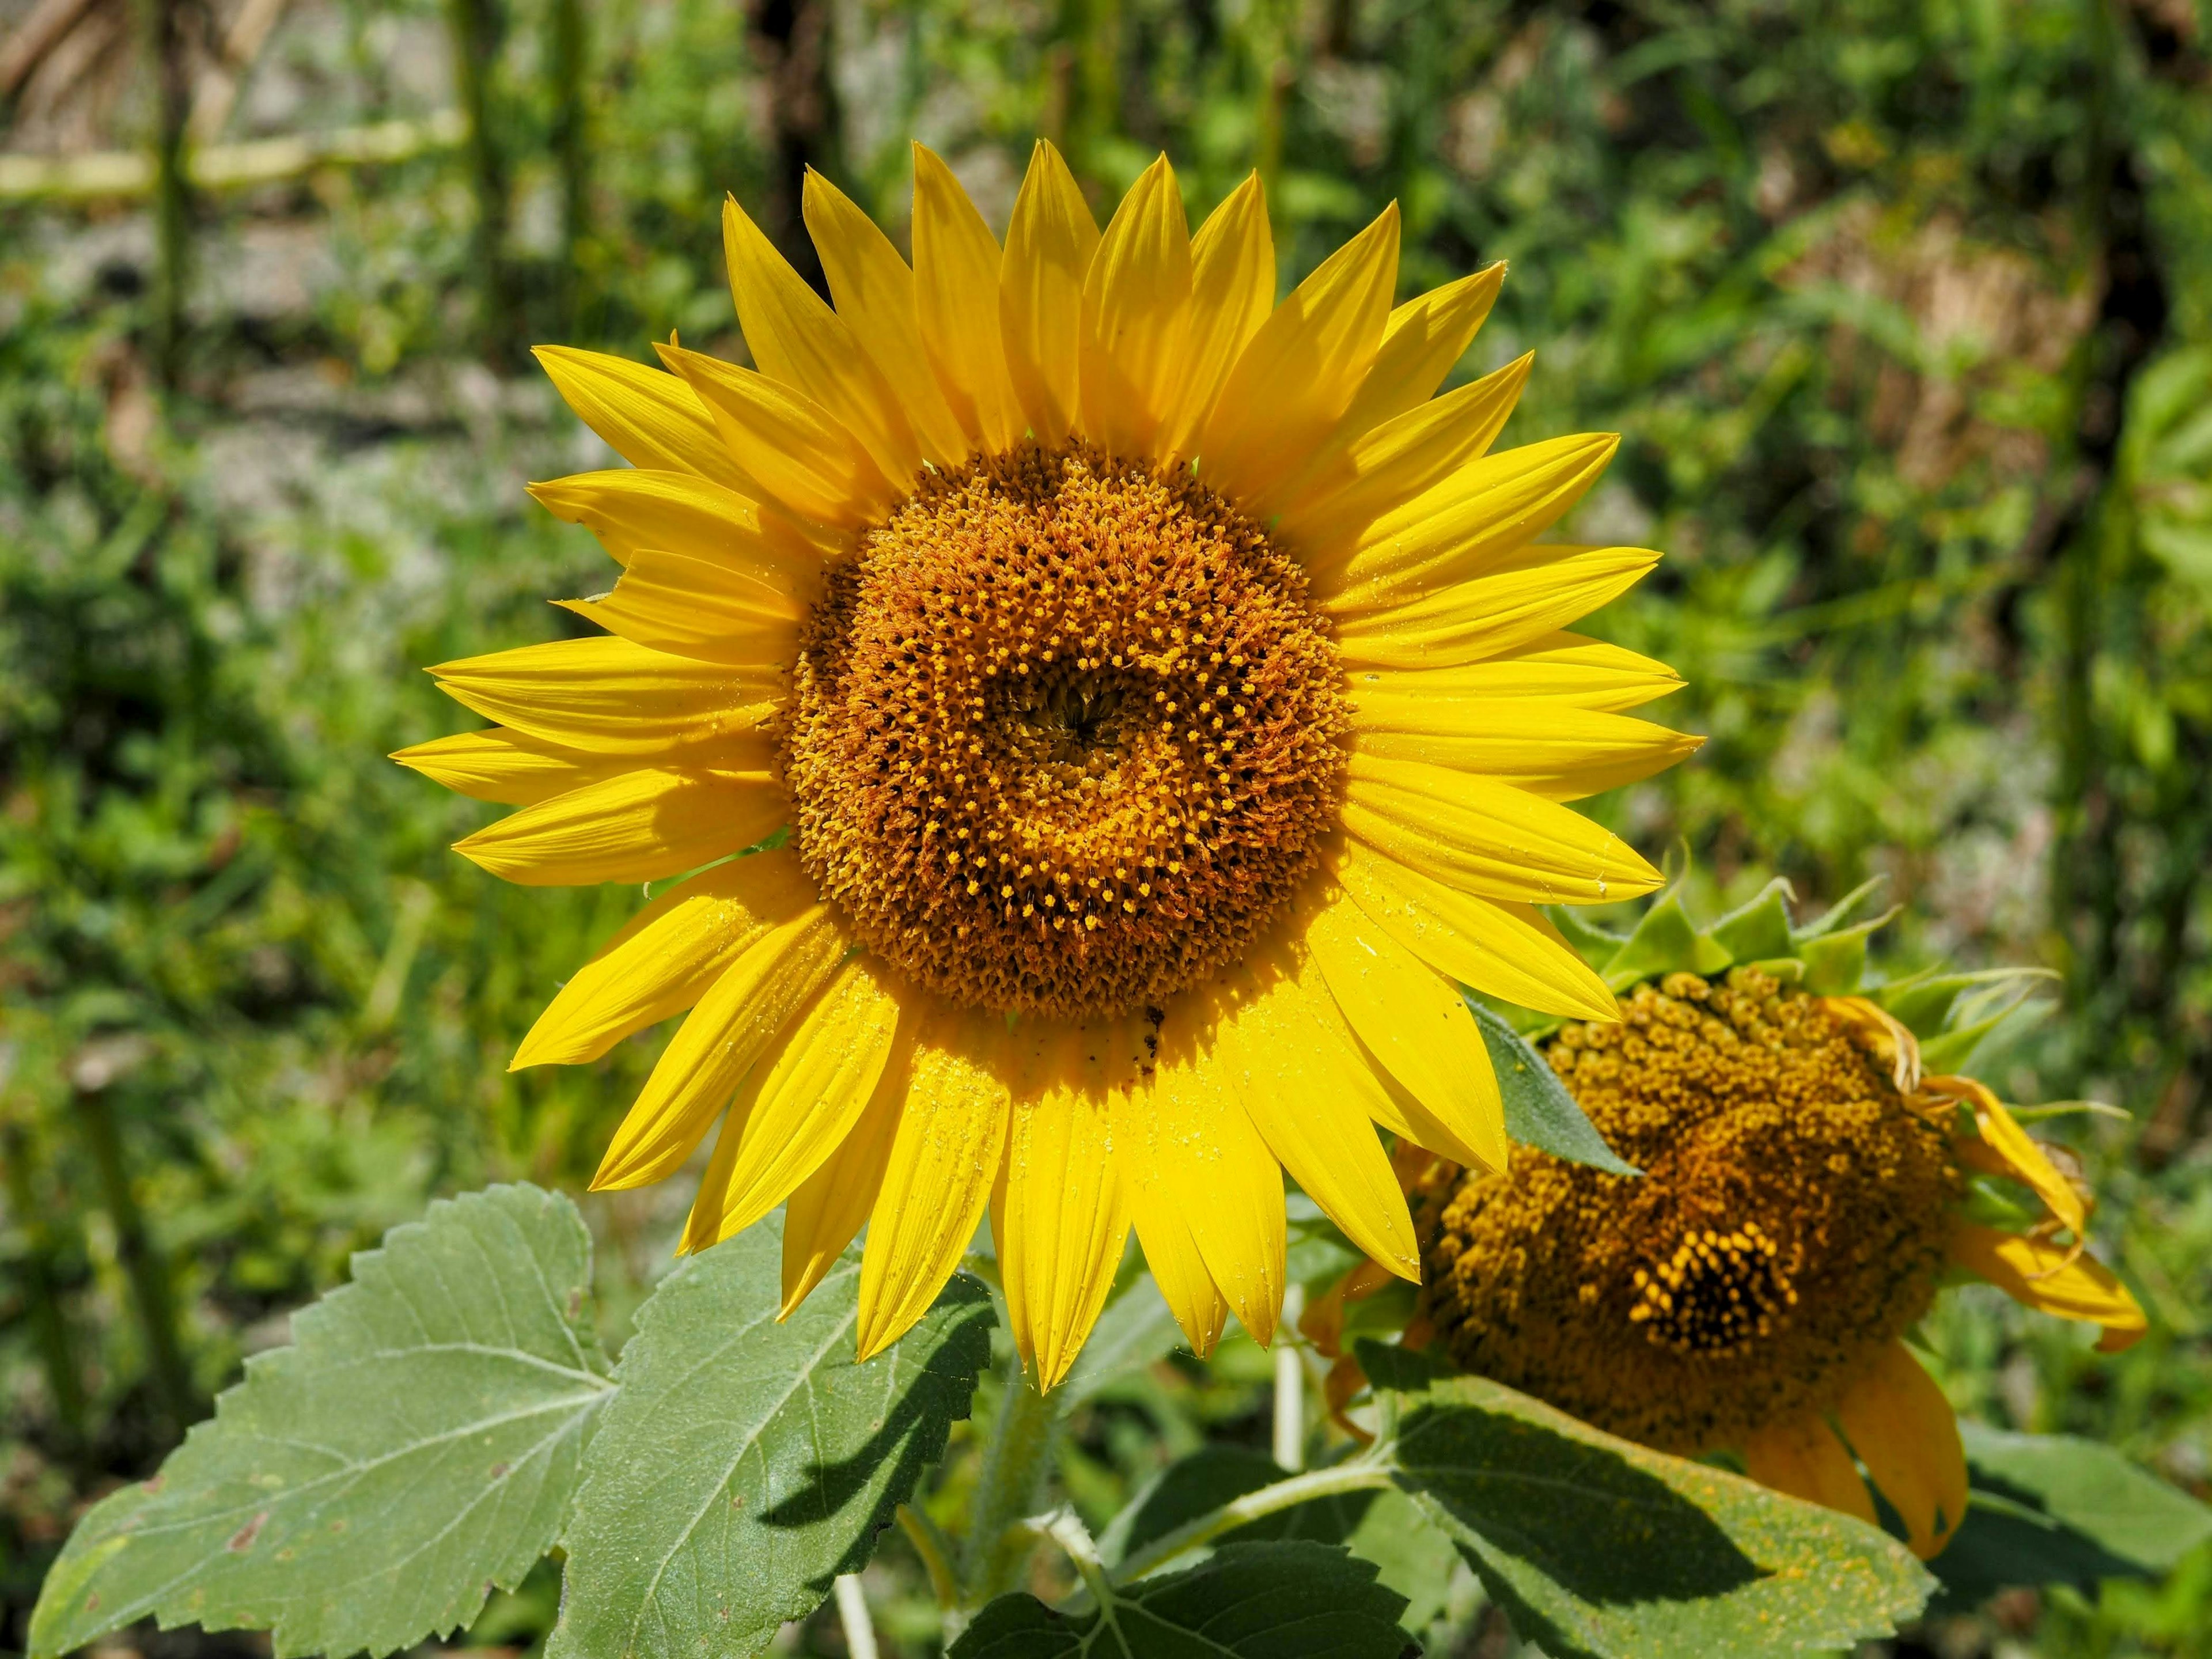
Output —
<point x="1488" y="838"/>
<point x="1805" y="1460"/>
<point x="1297" y="376"/>
<point x="649" y="418"/>
<point x="829" y="1204"/>
<point x="1492" y="614"/>
<point x="1136" y="317"/>
<point x="2024" y="1160"/>
<point x="944" y="1160"/>
<point x="511" y="767"/>
<point x="689" y="607"/>
<point x="666" y="957"/>
<point x="1172" y="1254"/>
<point x="1559" y="668"/>
<point x="1232" y="291"/>
<point x="1422" y="342"/>
<point x="874" y="292"/>
<point x="718" y="1042"/>
<point x="955" y="270"/>
<point x="1049" y="248"/>
<point x="1559" y="752"/>
<point x="607" y="696"/>
<point x="1510" y="951"/>
<point x="2052" y="1280"/>
<point x="633" y="508"/>
<point x="635" y="826"/>
<point x="798" y="340"/>
<point x="802" y="456"/>
<point x="1904" y="1431"/>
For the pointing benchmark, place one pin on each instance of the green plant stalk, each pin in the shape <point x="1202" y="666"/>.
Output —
<point x="151" y="1293"/>
<point x="1370" y="1472"/>
<point x="478" y="27"/>
<point x="162" y="29"/>
<point x="571" y="49"/>
<point x="1010" y="1490"/>
<point x="56" y="1352"/>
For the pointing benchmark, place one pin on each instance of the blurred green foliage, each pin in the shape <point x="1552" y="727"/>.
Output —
<point x="1905" y="311"/>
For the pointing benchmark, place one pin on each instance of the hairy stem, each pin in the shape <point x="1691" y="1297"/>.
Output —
<point x="1360" y="1474"/>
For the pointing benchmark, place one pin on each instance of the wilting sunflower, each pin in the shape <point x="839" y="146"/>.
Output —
<point x="1163" y="694"/>
<point x="1807" y="1187"/>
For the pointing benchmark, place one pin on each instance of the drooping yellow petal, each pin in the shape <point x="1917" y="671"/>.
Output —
<point x="1466" y="525"/>
<point x="1559" y="668"/>
<point x="874" y="292"/>
<point x="1510" y="951"/>
<point x="1136" y="317"/>
<point x="2053" y="1280"/>
<point x="1397" y="462"/>
<point x="791" y="1112"/>
<point x="1232" y="291"/>
<point x="1065" y="1213"/>
<point x="633" y="508"/>
<point x="1903" y="1430"/>
<point x="1422" y="342"/>
<point x="1172" y="1253"/>
<point x="798" y="341"/>
<point x="1526" y="598"/>
<point x="611" y="697"/>
<point x="689" y="607"/>
<point x="955" y="270"/>
<point x="2022" y="1159"/>
<point x="511" y="768"/>
<point x="666" y="957"/>
<point x="1304" y="1099"/>
<point x="944" y="1160"/>
<point x="1805" y="1460"/>
<point x="649" y="418"/>
<point x="719" y="1040"/>
<point x="802" y="455"/>
<point x="1488" y="838"/>
<point x="1298" y="375"/>
<point x="1413" y="1022"/>
<point x="1559" y="752"/>
<point x="1050" y="243"/>
<point x="829" y="1206"/>
<point x="635" y="826"/>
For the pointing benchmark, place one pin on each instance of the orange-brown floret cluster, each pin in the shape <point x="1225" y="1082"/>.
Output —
<point x="1790" y="1220"/>
<point x="1065" y="734"/>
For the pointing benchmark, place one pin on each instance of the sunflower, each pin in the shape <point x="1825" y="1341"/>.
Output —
<point x="1809" y="1185"/>
<point x="1099" y="714"/>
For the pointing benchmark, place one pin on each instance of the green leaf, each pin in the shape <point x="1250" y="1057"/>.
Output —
<point x="1283" y="1600"/>
<point x="1665" y="942"/>
<point x="1538" y="1110"/>
<point x="746" y="1463"/>
<point x="417" y="1445"/>
<point x="1598" y="945"/>
<point x="1596" y="1547"/>
<point x="1760" y="930"/>
<point x="1841" y="911"/>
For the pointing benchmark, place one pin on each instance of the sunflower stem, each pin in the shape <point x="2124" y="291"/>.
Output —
<point x="1011" y="1489"/>
<point x="1368" y="1473"/>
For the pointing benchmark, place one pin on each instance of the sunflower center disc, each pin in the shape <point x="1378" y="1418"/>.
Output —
<point x="1065" y="734"/>
<point x="1791" y="1221"/>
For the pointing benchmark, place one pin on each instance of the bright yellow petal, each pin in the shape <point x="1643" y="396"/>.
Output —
<point x="633" y="508"/>
<point x="1232" y="291"/>
<point x="2053" y="1280"/>
<point x="943" y="1162"/>
<point x="1903" y="1430"/>
<point x="830" y="1204"/>
<point x="1414" y="1023"/>
<point x="511" y="768"/>
<point x="1065" y="1213"/>
<point x="798" y="340"/>
<point x="1304" y="1099"/>
<point x="732" y="1027"/>
<point x="1466" y="527"/>
<point x="1050" y="243"/>
<point x="1559" y="752"/>
<point x="1398" y="462"/>
<point x="1172" y="1254"/>
<point x="803" y="456"/>
<point x="611" y="697"/>
<point x="636" y="826"/>
<point x="1510" y="951"/>
<point x="1294" y="380"/>
<point x="1423" y="341"/>
<point x="649" y="418"/>
<point x="2022" y="1158"/>
<point x="1560" y="668"/>
<point x="791" y="1112"/>
<point x="1524" y="599"/>
<point x="1206" y="1162"/>
<point x="1136" y="317"/>
<point x="874" y="292"/>
<point x="667" y="956"/>
<point x="1488" y="838"/>
<point x="955" y="270"/>
<point x="689" y="607"/>
<point x="1805" y="1460"/>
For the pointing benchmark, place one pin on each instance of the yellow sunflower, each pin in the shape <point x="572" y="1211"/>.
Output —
<point x="1164" y="696"/>
<point x="1806" y="1191"/>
